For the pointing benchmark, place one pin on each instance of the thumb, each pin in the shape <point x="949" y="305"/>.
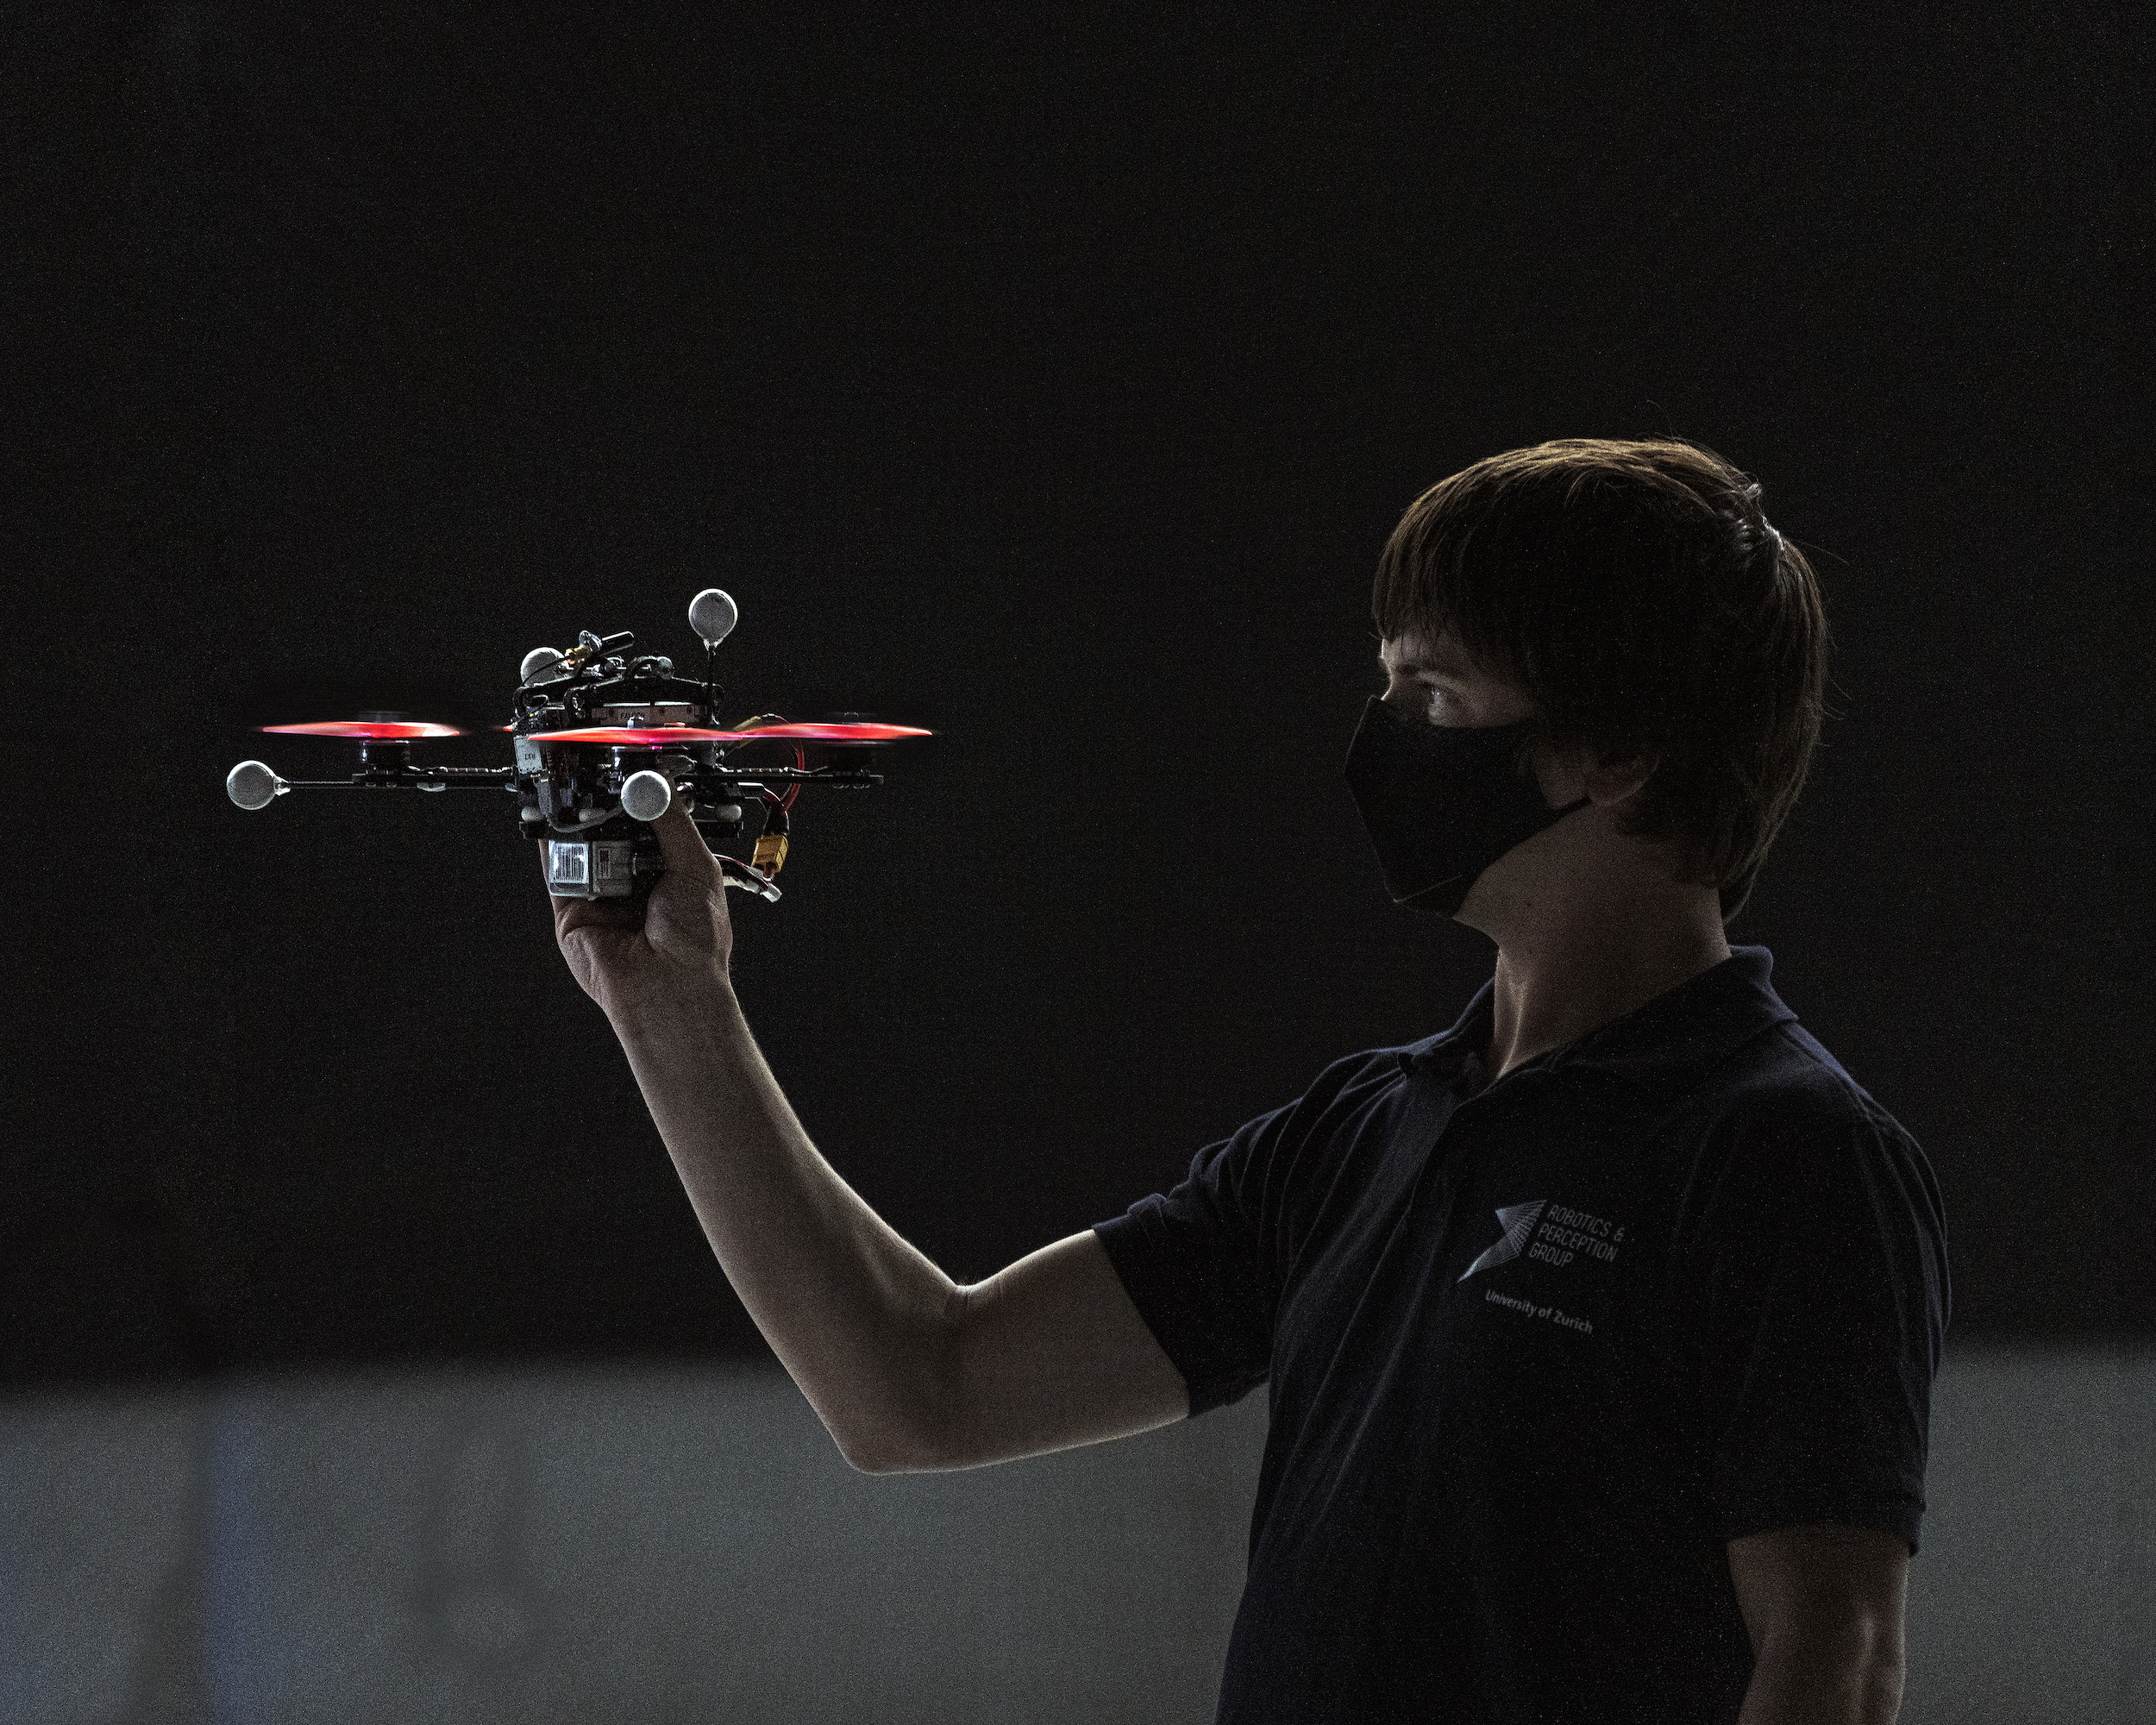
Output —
<point x="682" y="845"/>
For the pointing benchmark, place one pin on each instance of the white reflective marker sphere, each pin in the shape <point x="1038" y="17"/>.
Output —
<point x="537" y="661"/>
<point x="253" y="785"/>
<point x="645" y="795"/>
<point x="712" y="615"/>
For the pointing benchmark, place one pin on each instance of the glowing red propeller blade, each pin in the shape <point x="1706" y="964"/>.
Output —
<point x="367" y="730"/>
<point x="813" y="732"/>
<point x="648" y="737"/>
<point x="658" y="737"/>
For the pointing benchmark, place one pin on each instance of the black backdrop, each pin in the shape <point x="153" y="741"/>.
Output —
<point x="1052" y="383"/>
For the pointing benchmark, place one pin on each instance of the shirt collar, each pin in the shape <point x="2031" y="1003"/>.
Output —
<point x="1697" y="1022"/>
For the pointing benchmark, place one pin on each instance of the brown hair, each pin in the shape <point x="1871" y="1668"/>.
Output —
<point x="1635" y="593"/>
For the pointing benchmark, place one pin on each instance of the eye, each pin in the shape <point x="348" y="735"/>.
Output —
<point x="1405" y="692"/>
<point x="1420" y="697"/>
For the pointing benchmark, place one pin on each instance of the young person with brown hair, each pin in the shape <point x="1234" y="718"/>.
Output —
<point x="1599" y="1329"/>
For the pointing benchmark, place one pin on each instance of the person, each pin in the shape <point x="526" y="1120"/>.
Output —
<point x="1599" y="1328"/>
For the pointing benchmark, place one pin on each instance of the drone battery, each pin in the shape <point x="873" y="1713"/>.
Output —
<point x="591" y="867"/>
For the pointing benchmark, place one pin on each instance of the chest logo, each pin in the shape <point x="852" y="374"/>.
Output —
<point x="1567" y="1233"/>
<point x="1518" y="1220"/>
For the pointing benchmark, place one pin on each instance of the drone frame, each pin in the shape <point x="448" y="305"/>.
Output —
<point x="570" y="786"/>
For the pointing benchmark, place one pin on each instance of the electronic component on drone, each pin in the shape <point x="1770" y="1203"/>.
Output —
<point x="604" y="744"/>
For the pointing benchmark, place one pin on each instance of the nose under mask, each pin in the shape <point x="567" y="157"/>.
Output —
<point x="1441" y="802"/>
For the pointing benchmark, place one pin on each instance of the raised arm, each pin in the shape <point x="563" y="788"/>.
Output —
<point x="906" y="1369"/>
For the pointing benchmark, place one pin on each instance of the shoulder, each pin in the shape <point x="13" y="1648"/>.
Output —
<point x="1784" y="1126"/>
<point x="1356" y="1079"/>
<point x="1346" y="1098"/>
<point x="1785" y="1088"/>
<point x="1265" y="1179"/>
<point x="1284" y="1162"/>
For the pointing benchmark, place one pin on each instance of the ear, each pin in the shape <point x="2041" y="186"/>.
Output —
<point x="1612" y="781"/>
<point x="1564" y="778"/>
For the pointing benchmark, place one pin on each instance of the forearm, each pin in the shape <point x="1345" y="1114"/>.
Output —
<point x="859" y="1318"/>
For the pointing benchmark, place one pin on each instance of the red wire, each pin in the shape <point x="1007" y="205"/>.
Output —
<point x="801" y="760"/>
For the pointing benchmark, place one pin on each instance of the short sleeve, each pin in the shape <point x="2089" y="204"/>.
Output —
<point x="1197" y="1262"/>
<point x="1820" y="1254"/>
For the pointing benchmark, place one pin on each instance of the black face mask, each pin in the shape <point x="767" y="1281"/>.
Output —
<point x="1442" y="802"/>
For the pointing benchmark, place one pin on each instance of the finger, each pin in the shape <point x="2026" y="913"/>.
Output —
<point x="682" y="845"/>
<point x="572" y="914"/>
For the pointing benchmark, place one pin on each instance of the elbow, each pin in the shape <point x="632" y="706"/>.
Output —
<point x="864" y="1459"/>
<point x="859" y="1449"/>
<point x="888" y="1453"/>
<point x="915" y="1429"/>
<point x="879" y="1464"/>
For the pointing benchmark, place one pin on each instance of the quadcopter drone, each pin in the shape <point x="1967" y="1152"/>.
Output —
<point x="605" y="744"/>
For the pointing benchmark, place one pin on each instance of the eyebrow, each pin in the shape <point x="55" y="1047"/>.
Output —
<point x="1452" y="668"/>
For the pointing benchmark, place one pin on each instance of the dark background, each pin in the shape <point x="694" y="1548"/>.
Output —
<point x="1051" y="381"/>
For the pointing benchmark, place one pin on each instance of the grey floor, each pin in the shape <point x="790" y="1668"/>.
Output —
<point x="682" y="1545"/>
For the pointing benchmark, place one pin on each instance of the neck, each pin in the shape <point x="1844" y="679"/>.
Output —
<point x="1562" y="978"/>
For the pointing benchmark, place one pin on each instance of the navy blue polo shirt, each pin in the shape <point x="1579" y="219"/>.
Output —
<point x="1538" y="1349"/>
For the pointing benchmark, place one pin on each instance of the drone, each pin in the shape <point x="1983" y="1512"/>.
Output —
<point x="606" y="740"/>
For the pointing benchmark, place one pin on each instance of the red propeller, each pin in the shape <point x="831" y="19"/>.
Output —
<point x="810" y="731"/>
<point x="657" y="737"/>
<point x="368" y="729"/>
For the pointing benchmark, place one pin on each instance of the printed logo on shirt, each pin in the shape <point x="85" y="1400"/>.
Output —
<point x="1517" y="1221"/>
<point x="1564" y="1233"/>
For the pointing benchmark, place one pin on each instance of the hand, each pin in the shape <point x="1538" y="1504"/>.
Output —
<point x="679" y="939"/>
